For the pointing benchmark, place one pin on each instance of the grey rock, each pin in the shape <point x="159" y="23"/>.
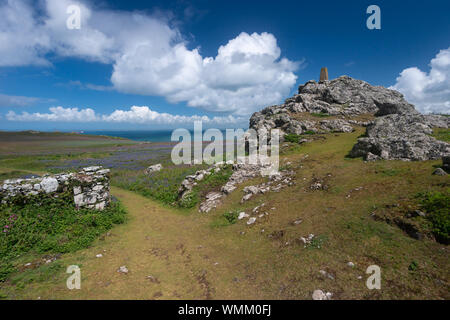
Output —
<point x="123" y="269"/>
<point x="439" y="172"/>
<point x="153" y="168"/>
<point x="320" y="295"/>
<point x="401" y="137"/>
<point x="49" y="184"/>
<point x="242" y="215"/>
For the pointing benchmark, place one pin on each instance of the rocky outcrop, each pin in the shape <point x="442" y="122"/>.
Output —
<point x="90" y="187"/>
<point x="395" y="130"/>
<point x="401" y="137"/>
<point x="342" y="99"/>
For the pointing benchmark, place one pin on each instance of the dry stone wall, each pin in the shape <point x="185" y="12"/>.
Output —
<point x="90" y="187"/>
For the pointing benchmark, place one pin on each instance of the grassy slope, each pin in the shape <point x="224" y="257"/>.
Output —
<point x="197" y="256"/>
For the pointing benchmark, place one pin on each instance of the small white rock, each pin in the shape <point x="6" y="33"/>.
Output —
<point x="242" y="215"/>
<point x="99" y="255"/>
<point x="251" y="220"/>
<point x="123" y="269"/>
<point x="319" y="295"/>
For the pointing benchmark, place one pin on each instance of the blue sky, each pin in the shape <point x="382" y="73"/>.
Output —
<point x="157" y="64"/>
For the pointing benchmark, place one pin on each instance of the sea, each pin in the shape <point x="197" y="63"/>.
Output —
<point x="140" y="135"/>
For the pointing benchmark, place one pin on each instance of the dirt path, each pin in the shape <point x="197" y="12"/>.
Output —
<point x="169" y="256"/>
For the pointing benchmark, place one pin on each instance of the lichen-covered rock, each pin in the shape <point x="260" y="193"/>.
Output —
<point x="49" y="184"/>
<point x="343" y="98"/>
<point x="401" y="137"/>
<point x="153" y="168"/>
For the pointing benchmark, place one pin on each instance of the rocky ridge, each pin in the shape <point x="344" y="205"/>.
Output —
<point x="395" y="130"/>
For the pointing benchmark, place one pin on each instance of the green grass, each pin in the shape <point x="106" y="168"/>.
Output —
<point x="437" y="207"/>
<point x="51" y="226"/>
<point x="320" y="115"/>
<point x="12" y="174"/>
<point x="441" y="134"/>
<point x="162" y="185"/>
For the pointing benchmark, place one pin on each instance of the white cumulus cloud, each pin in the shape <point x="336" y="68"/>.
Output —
<point x="149" y="55"/>
<point x="136" y="114"/>
<point x="429" y="92"/>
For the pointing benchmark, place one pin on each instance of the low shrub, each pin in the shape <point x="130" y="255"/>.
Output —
<point x="437" y="207"/>
<point x="292" y="137"/>
<point x="51" y="225"/>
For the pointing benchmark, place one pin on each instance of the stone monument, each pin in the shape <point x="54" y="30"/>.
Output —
<point x="323" y="74"/>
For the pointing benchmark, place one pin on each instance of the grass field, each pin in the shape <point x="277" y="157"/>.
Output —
<point x="175" y="253"/>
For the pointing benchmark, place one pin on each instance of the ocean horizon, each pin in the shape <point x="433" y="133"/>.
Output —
<point x="139" y="135"/>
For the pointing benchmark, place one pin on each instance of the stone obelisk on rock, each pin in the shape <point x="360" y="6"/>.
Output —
<point x="323" y="74"/>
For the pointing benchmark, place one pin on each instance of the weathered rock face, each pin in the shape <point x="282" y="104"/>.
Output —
<point x="342" y="99"/>
<point x="395" y="129"/>
<point x="401" y="137"/>
<point x="90" y="187"/>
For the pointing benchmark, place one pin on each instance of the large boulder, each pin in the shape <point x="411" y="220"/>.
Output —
<point x="402" y="137"/>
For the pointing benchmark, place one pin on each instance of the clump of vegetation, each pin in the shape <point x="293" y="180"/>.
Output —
<point x="295" y="138"/>
<point x="437" y="207"/>
<point x="231" y="216"/>
<point x="317" y="242"/>
<point x="292" y="137"/>
<point x="50" y="225"/>
<point x="226" y="219"/>
<point x="413" y="266"/>
<point x="189" y="200"/>
<point x="320" y="115"/>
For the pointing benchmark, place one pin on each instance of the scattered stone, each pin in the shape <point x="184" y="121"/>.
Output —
<point x="99" y="255"/>
<point x="152" y="279"/>
<point x="123" y="269"/>
<point x="242" y="215"/>
<point x="251" y="220"/>
<point x="326" y="274"/>
<point x="154" y="168"/>
<point x="213" y="199"/>
<point x="320" y="295"/>
<point x="308" y="240"/>
<point x="350" y="264"/>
